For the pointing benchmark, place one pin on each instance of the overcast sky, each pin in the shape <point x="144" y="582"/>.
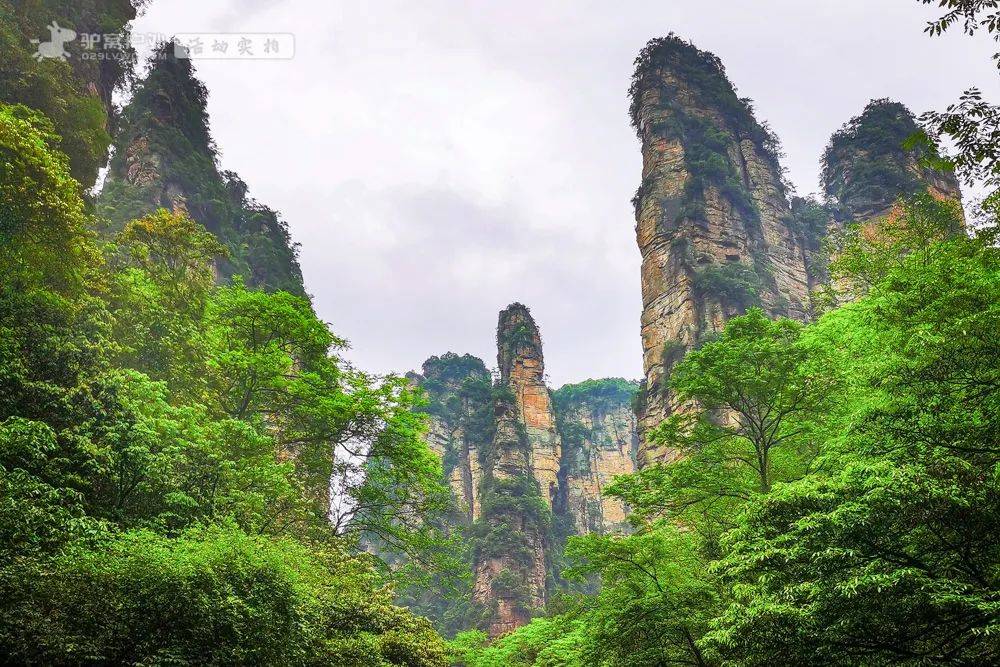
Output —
<point x="439" y="160"/>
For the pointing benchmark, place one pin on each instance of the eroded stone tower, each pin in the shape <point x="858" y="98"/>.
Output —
<point x="713" y="220"/>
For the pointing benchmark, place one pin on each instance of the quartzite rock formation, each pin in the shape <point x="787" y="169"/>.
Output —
<point x="164" y="157"/>
<point x="600" y="441"/>
<point x="866" y="168"/>
<point x="714" y="223"/>
<point x="520" y="479"/>
<point x="713" y="220"/>
<point x="527" y="467"/>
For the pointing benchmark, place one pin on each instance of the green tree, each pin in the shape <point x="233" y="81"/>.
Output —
<point x="890" y="558"/>
<point x="43" y="225"/>
<point x="208" y="596"/>
<point x="750" y="399"/>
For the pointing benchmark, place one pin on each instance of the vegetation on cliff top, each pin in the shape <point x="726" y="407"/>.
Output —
<point x="866" y="165"/>
<point x="702" y="74"/>
<point x="606" y="391"/>
<point x="164" y="156"/>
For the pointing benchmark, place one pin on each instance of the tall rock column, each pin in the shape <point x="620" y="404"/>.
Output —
<point x="522" y="371"/>
<point x="520" y="481"/>
<point x="713" y="221"/>
<point x="164" y="157"/>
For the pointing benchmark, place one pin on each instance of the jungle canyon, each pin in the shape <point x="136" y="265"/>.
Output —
<point x="193" y="473"/>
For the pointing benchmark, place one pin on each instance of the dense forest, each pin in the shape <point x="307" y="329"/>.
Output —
<point x="192" y="473"/>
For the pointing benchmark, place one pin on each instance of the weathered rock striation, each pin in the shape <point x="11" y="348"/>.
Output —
<point x="164" y="157"/>
<point x="520" y="481"/>
<point x="460" y="405"/>
<point x="867" y="165"/>
<point x="600" y="440"/>
<point x="527" y="468"/>
<point x="713" y="220"/>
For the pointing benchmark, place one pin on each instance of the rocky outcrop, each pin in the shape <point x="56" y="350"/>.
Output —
<point x="713" y="220"/>
<point x="520" y="481"/>
<point x="599" y="433"/>
<point x="522" y="372"/>
<point x="527" y="467"/>
<point x="869" y="164"/>
<point x="164" y="157"/>
<point x="460" y="405"/>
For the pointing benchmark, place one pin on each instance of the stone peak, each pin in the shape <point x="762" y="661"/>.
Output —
<point x="519" y="342"/>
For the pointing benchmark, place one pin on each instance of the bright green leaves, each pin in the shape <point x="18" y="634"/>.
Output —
<point x="43" y="227"/>
<point x="168" y="446"/>
<point x="209" y="596"/>
<point x="752" y="396"/>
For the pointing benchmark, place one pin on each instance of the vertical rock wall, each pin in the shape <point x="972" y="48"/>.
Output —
<point x="460" y="406"/>
<point x="599" y="441"/>
<point x="522" y="371"/>
<point x="713" y="221"/>
<point x="164" y="157"/>
<point x="520" y="481"/>
<point x="714" y="224"/>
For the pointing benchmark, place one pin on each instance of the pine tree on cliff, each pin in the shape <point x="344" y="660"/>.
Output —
<point x="164" y="156"/>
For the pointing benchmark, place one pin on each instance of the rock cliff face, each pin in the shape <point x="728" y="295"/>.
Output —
<point x="600" y="440"/>
<point x="866" y="167"/>
<point x="714" y="223"/>
<point x="527" y="467"/>
<point x="713" y="220"/>
<point x="164" y="156"/>
<point x="520" y="480"/>
<point x="460" y="405"/>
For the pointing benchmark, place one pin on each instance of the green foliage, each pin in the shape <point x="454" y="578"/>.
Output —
<point x="973" y="15"/>
<point x="900" y="536"/>
<point x="868" y="255"/>
<point x="973" y="125"/>
<point x="43" y="226"/>
<point x="167" y="450"/>
<point x="604" y="393"/>
<point x="733" y="284"/>
<point x="208" y="596"/>
<point x="548" y="642"/>
<point x="810" y="218"/>
<point x="165" y="131"/>
<point x="74" y="94"/>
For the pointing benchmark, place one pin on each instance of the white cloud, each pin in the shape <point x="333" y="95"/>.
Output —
<point x="438" y="160"/>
